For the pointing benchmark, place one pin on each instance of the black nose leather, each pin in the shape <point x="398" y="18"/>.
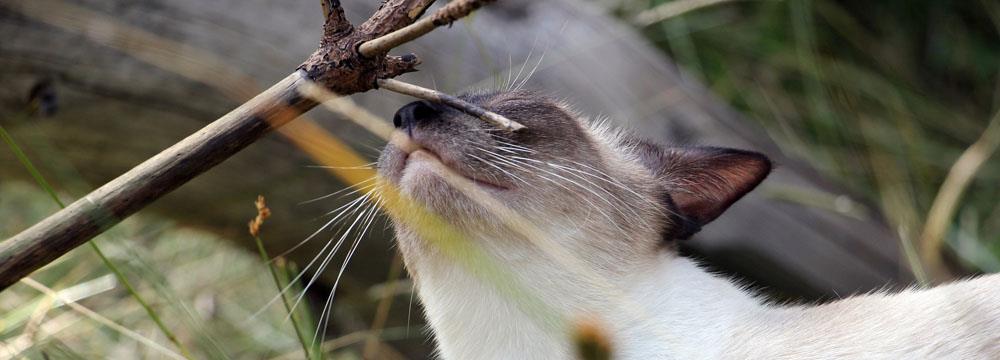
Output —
<point x="415" y="113"/>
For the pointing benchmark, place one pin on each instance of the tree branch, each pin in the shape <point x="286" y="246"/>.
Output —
<point x="444" y="16"/>
<point x="393" y="15"/>
<point x="336" y="64"/>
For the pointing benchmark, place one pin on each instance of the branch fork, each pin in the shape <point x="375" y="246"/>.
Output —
<point x="338" y="63"/>
<point x="349" y="60"/>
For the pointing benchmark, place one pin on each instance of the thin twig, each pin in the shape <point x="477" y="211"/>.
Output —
<point x="946" y="201"/>
<point x="382" y="128"/>
<point x="444" y="16"/>
<point x="440" y="97"/>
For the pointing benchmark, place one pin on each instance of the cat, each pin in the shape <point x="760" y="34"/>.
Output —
<point x="605" y="211"/>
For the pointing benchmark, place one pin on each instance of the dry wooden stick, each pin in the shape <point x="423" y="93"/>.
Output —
<point x="379" y="127"/>
<point x="437" y="96"/>
<point x="337" y="65"/>
<point x="444" y="16"/>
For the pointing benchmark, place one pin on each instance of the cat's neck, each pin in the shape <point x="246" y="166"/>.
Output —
<point x="666" y="303"/>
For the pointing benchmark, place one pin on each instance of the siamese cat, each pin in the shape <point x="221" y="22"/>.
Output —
<point x="618" y="205"/>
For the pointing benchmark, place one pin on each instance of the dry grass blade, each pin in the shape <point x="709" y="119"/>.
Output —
<point x="371" y="346"/>
<point x="946" y="202"/>
<point x="101" y="319"/>
<point x="671" y="9"/>
<point x="348" y="108"/>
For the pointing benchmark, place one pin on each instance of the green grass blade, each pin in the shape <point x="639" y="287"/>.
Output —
<point x="23" y="158"/>
<point x="311" y="352"/>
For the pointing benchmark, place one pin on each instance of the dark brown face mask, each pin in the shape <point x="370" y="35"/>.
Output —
<point x="557" y="163"/>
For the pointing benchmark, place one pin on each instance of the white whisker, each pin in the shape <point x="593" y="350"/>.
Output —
<point x="369" y="216"/>
<point x="367" y="166"/>
<point x="531" y="73"/>
<point x="327" y="196"/>
<point x="524" y="64"/>
<point x="343" y="210"/>
<point x="325" y="262"/>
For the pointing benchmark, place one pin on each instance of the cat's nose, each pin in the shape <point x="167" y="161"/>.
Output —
<point x="415" y="113"/>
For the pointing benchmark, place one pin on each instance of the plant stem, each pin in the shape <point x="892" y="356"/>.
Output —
<point x="284" y="300"/>
<point x="23" y="158"/>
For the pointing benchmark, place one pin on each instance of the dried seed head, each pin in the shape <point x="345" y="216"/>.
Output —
<point x="263" y="212"/>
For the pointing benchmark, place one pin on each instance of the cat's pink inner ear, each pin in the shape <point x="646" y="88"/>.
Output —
<point x="704" y="181"/>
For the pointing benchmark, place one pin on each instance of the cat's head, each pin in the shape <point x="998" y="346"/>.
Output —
<point x="611" y="191"/>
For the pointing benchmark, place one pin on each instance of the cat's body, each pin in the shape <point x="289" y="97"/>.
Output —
<point x="686" y="313"/>
<point x="604" y="210"/>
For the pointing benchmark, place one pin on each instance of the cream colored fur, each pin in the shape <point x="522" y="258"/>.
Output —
<point x="686" y="313"/>
<point x="651" y="303"/>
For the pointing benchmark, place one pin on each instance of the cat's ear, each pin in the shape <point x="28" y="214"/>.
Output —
<point x="702" y="182"/>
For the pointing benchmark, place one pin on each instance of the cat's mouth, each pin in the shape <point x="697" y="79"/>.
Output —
<point x="418" y="157"/>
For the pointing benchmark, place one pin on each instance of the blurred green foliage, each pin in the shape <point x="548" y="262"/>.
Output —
<point x="205" y="289"/>
<point x="881" y="95"/>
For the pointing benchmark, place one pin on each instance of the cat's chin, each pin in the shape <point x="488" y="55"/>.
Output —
<point x="424" y="183"/>
<point x="422" y="180"/>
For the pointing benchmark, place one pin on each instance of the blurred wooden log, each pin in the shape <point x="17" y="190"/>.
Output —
<point x="115" y="110"/>
<point x="108" y="205"/>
